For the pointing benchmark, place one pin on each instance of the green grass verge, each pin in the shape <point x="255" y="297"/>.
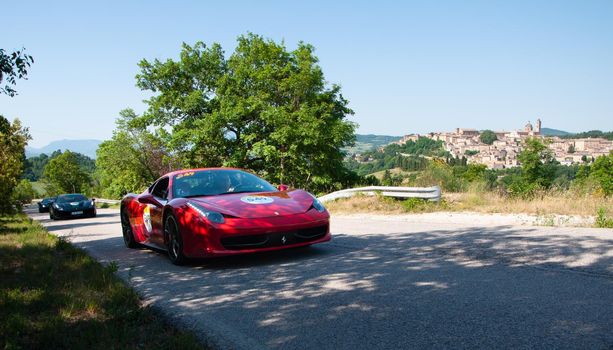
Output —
<point x="55" y="296"/>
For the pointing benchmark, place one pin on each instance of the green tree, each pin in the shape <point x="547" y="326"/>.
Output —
<point x="35" y="166"/>
<point x="65" y="175"/>
<point x="602" y="172"/>
<point x="13" y="140"/>
<point x="23" y="193"/>
<point x="488" y="137"/>
<point x="264" y="108"/>
<point x="537" y="163"/>
<point x="13" y="66"/>
<point x="132" y="159"/>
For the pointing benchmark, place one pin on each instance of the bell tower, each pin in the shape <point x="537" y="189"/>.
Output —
<point x="538" y="126"/>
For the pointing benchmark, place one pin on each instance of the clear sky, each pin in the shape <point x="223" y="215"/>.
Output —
<point x="405" y="66"/>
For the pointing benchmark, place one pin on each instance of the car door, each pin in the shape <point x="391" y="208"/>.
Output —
<point x="160" y="193"/>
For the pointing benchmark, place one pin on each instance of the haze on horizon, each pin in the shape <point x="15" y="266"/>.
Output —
<point x="404" y="67"/>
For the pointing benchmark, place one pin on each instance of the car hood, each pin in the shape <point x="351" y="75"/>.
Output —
<point x="258" y="204"/>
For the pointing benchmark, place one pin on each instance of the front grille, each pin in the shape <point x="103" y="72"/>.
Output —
<point x="275" y="239"/>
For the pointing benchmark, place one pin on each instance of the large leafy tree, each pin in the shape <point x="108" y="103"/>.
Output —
<point x="488" y="137"/>
<point x="13" y="66"/>
<point x="263" y="108"/>
<point x="538" y="163"/>
<point x="35" y="166"/>
<point x="133" y="158"/>
<point x="66" y="175"/>
<point x="602" y="172"/>
<point x="13" y="139"/>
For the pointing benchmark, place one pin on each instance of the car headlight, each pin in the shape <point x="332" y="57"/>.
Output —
<point x="317" y="205"/>
<point x="56" y="206"/>
<point x="212" y="216"/>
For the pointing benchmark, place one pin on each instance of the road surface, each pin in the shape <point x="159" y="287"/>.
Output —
<point x="382" y="283"/>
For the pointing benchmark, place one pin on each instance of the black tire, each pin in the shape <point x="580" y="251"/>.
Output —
<point x="174" y="241"/>
<point x="40" y="210"/>
<point x="126" y="228"/>
<point x="51" y="216"/>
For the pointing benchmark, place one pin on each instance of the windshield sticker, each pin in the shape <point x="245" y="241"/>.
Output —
<point x="147" y="218"/>
<point x="189" y="173"/>
<point x="257" y="200"/>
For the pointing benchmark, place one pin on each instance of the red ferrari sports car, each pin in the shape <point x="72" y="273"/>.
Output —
<point x="200" y="213"/>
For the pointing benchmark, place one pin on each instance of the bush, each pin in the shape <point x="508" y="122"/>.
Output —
<point x="442" y="175"/>
<point x="602" y="220"/>
<point x="23" y="193"/>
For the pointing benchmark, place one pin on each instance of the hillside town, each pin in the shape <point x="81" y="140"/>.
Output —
<point x="503" y="152"/>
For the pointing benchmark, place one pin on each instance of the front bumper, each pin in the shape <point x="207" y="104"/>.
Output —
<point x="243" y="236"/>
<point x="74" y="213"/>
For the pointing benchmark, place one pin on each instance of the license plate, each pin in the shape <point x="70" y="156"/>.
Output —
<point x="76" y="213"/>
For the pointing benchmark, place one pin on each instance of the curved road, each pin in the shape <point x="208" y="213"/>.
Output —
<point x="382" y="283"/>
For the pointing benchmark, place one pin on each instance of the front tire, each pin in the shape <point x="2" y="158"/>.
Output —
<point x="175" y="241"/>
<point x="126" y="228"/>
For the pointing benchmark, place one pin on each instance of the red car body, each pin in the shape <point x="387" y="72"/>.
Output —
<point x="252" y="221"/>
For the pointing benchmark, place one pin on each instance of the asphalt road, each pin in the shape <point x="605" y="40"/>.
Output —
<point x="383" y="284"/>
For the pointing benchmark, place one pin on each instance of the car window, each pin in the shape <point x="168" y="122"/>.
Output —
<point x="217" y="182"/>
<point x="160" y="189"/>
<point x="71" y="198"/>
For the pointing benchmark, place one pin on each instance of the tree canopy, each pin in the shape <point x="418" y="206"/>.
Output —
<point x="488" y="137"/>
<point x="133" y="158"/>
<point x="65" y="174"/>
<point x="263" y="108"/>
<point x="13" y="140"/>
<point x="13" y="66"/>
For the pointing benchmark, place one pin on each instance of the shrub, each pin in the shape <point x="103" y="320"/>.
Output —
<point x="602" y="220"/>
<point x="23" y="193"/>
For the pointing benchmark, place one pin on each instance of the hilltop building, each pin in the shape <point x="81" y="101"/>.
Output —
<point x="504" y="151"/>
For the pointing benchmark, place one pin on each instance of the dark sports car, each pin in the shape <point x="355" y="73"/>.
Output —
<point x="212" y="212"/>
<point x="72" y="205"/>
<point x="45" y="204"/>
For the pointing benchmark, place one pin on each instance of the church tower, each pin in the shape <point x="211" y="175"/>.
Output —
<point x="537" y="131"/>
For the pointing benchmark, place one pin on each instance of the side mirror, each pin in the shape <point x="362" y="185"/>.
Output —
<point x="147" y="199"/>
<point x="282" y="187"/>
<point x="93" y="199"/>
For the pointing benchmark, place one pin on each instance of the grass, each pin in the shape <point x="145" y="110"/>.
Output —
<point x="55" y="296"/>
<point x="553" y="203"/>
<point x="39" y="187"/>
<point x="603" y="220"/>
<point x="393" y="171"/>
<point x="483" y="202"/>
<point x="383" y="205"/>
<point x="108" y="205"/>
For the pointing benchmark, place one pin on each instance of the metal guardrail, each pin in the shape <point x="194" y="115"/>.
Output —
<point x="108" y="201"/>
<point x="428" y="193"/>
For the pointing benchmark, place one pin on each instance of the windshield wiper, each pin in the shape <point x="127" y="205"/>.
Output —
<point x="231" y="192"/>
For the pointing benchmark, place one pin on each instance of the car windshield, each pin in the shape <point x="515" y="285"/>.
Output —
<point x="71" y="198"/>
<point x="47" y="200"/>
<point x="217" y="182"/>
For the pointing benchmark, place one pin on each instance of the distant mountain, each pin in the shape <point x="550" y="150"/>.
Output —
<point x="86" y="147"/>
<point x="554" y="132"/>
<point x="368" y="142"/>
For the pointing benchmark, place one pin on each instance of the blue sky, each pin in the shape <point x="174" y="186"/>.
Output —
<point x="410" y="66"/>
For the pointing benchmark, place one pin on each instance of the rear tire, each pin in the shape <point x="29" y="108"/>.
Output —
<point x="175" y="241"/>
<point x="126" y="228"/>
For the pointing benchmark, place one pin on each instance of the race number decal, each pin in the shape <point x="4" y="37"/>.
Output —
<point x="257" y="200"/>
<point x="147" y="218"/>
